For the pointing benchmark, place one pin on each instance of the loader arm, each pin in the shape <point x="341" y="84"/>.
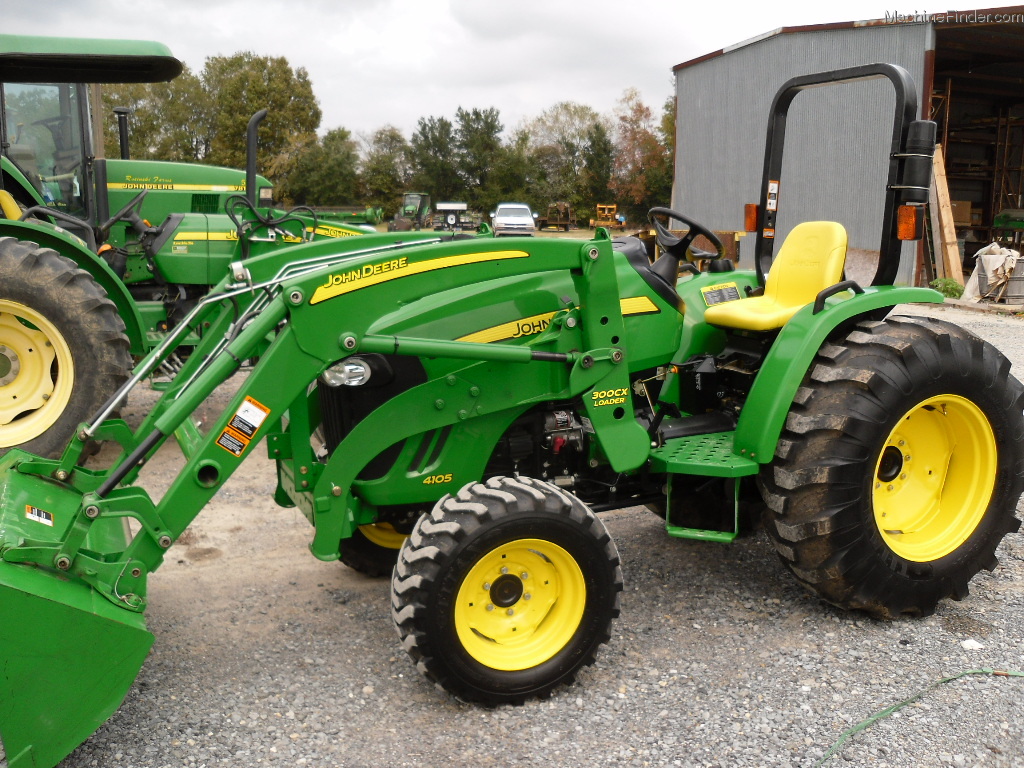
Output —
<point x="322" y="297"/>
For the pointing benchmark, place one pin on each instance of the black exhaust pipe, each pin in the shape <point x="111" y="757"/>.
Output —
<point x="122" y="130"/>
<point x="250" y="155"/>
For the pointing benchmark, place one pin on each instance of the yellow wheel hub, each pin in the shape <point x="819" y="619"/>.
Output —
<point x="934" y="478"/>
<point x="520" y="604"/>
<point x="383" y="535"/>
<point x="36" y="373"/>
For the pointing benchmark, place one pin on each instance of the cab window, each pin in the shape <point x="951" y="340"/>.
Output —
<point x="43" y="138"/>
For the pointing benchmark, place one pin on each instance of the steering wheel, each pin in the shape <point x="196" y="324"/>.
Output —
<point x="678" y="246"/>
<point x="129" y="213"/>
<point x="53" y="124"/>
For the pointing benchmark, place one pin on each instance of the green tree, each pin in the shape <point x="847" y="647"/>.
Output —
<point x="511" y="175"/>
<point x="643" y="169"/>
<point x="385" y="172"/>
<point x="240" y="85"/>
<point x="167" y="121"/>
<point x="434" y="164"/>
<point x="478" y="140"/>
<point x="558" y="139"/>
<point x="598" y="166"/>
<point x="319" y="172"/>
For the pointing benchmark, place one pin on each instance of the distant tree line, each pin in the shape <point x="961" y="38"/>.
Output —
<point x="569" y="152"/>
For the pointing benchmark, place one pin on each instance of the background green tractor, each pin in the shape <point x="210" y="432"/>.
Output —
<point x="488" y="397"/>
<point x="414" y="214"/>
<point x="86" y="280"/>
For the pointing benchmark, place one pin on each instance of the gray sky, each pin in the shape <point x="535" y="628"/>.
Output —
<point x="378" y="62"/>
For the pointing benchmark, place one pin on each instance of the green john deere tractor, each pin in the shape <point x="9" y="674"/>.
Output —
<point x="462" y="407"/>
<point x="86" y="280"/>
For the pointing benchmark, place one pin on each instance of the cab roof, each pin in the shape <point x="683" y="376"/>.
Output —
<point x="31" y="59"/>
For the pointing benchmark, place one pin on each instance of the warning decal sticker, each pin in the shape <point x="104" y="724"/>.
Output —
<point x="39" y="515"/>
<point x="249" y="416"/>
<point x="243" y="426"/>
<point x="717" y="294"/>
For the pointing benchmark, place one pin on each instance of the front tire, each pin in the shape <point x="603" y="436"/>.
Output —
<point x="63" y="349"/>
<point x="506" y="590"/>
<point x="900" y="467"/>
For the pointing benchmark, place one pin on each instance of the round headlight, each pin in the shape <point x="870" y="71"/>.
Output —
<point x="348" y="373"/>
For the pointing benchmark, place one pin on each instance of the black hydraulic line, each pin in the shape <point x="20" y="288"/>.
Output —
<point x="134" y="459"/>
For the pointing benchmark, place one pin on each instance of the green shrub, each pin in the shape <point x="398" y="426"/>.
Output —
<point x="948" y="287"/>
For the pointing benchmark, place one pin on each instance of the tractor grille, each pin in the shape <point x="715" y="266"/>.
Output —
<point x="205" y="203"/>
<point x="342" y="408"/>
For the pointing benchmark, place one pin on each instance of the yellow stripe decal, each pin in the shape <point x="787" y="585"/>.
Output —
<point x="384" y="271"/>
<point x="326" y="231"/>
<point x="528" y="326"/>
<point x="525" y="327"/>
<point x="218" y="236"/>
<point x="171" y="186"/>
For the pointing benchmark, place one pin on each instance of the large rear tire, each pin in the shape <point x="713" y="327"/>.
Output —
<point x="63" y="349"/>
<point x="372" y="549"/>
<point x="900" y="467"/>
<point x="506" y="590"/>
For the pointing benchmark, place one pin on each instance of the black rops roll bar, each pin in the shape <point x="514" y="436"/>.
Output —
<point x="913" y="190"/>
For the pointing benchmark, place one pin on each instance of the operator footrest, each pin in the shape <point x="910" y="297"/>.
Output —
<point x="710" y="455"/>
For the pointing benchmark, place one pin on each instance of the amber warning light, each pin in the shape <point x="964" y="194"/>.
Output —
<point x="909" y="222"/>
<point x="750" y="217"/>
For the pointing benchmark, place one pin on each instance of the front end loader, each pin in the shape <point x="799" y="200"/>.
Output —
<point x="457" y="410"/>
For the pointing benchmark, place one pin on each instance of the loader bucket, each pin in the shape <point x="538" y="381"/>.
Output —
<point x="67" y="655"/>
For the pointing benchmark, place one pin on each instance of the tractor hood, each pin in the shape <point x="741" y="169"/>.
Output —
<point x="31" y="59"/>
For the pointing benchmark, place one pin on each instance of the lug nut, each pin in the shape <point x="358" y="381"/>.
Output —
<point x="504" y="569"/>
<point x="510" y="612"/>
<point x="490" y="607"/>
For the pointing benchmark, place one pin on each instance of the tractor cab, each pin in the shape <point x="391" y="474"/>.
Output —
<point x="46" y="136"/>
<point x="44" y="144"/>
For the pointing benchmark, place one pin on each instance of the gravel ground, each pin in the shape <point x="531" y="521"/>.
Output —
<point x="267" y="657"/>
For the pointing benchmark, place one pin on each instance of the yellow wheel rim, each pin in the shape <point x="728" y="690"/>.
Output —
<point x="383" y="535"/>
<point x="934" y="478"/>
<point x="36" y="373"/>
<point x="520" y="604"/>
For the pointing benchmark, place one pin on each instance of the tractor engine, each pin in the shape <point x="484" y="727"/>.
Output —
<point x="548" y="443"/>
<point x="553" y="443"/>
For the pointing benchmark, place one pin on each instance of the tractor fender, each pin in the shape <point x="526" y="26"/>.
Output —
<point x="72" y="247"/>
<point x="791" y="356"/>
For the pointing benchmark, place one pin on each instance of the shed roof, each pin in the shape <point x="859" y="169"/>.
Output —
<point x="986" y="43"/>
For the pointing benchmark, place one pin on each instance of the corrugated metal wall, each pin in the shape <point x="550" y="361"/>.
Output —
<point x="837" y="138"/>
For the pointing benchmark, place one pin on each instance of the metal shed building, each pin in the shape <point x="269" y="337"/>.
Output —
<point x="969" y="70"/>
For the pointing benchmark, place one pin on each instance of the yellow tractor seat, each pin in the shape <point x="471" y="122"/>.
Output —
<point x="8" y="206"/>
<point x="811" y="259"/>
